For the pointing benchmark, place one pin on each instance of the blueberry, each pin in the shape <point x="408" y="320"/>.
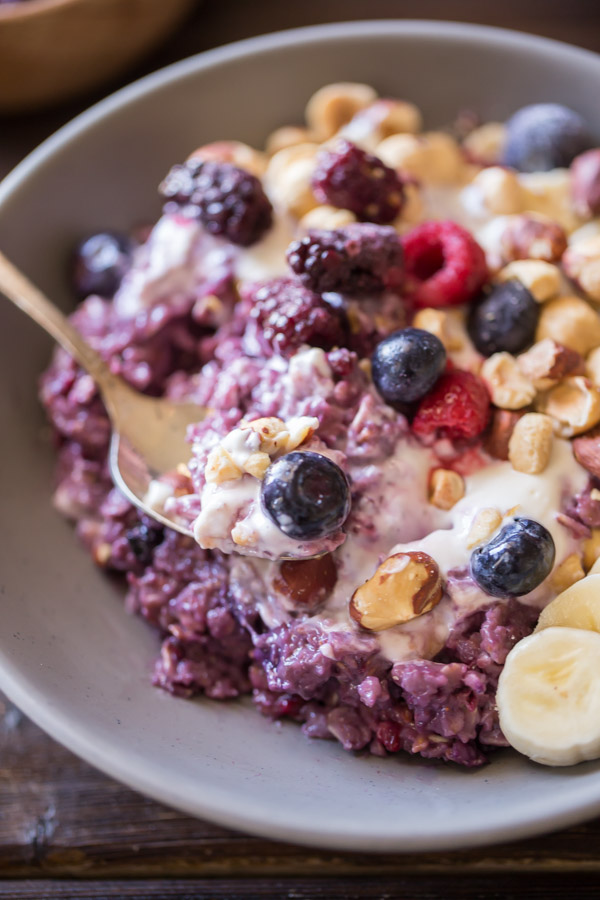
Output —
<point x="406" y="365"/>
<point x="545" y="136"/>
<point x="306" y="495"/>
<point x="506" y="319"/>
<point x="142" y="540"/>
<point x="515" y="561"/>
<point x="99" y="264"/>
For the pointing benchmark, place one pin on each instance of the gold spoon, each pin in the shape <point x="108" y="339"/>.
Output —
<point x="148" y="434"/>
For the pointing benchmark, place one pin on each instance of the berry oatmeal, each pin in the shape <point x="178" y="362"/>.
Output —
<point x="392" y="340"/>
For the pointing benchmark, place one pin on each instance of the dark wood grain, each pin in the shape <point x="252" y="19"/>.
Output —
<point x="67" y="831"/>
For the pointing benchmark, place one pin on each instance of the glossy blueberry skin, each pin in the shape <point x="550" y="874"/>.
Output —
<point x="515" y="561"/>
<point x="99" y="264"/>
<point x="505" y="319"/>
<point x="407" y="364"/>
<point x="306" y="495"/>
<point x="545" y="136"/>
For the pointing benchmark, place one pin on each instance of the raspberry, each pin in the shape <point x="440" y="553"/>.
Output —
<point x="445" y="263"/>
<point x="227" y="200"/>
<point x="457" y="407"/>
<point x="357" y="259"/>
<point x="349" y="178"/>
<point x="287" y="315"/>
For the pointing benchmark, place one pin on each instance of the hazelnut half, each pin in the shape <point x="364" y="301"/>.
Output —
<point x="405" y="585"/>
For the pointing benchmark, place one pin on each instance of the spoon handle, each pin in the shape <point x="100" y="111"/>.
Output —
<point x="25" y="295"/>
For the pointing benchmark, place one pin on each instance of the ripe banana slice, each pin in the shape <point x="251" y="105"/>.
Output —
<point x="549" y="696"/>
<point x="577" y="607"/>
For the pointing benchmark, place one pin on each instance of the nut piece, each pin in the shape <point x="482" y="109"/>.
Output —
<point x="549" y="194"/>
<point x="306" y="583"/>
<point x="591" y="549"/>
<point x="499" y="190"/>
<point x="532" y="236"/>
<point x="498" y="436"/>
<point x="220" y="467"/>
<point x="586" y="450"/>
<point x="433" y="158"/>
<point x="547" y="363"/>
<point x="234" y="152"/>
<point x="257" y="464"/>
<point x="288" y="178"/>
<point x="380" y="120"/>
<point x="327" y="218"/>
<point x="541" y="279"/>
<point x="508" y="387"/>
<point x="530" y="445"/>
<point x="592" y="366"/>
<point x="581" y="263"/>
<point x="447" y="325"/>
<point x="334" y="105"/>
<point x="483" y="526"/>
<point x="405" y="585"/>
<point x="567" y="573"/>
<point x="574" y="404"/>
<point x="485" y="144"/>
<point x="288" y="136"/>
<point x="570" y="321"/>
<point x="445" y="488"/>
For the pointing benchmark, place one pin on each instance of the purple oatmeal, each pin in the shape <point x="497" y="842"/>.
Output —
<point x="382" y="494"/>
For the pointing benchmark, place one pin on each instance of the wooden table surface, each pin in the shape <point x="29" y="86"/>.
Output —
<point x="66" y="831"/>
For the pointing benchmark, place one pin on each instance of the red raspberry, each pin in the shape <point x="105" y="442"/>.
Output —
<point x="349" y="178"/>
<point x="457" y="407"/>
<point x="445" y="263"/>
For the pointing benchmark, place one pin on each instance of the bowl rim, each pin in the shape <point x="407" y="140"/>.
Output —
<point x="579" y="803"/>
<point x="20" y="11"/>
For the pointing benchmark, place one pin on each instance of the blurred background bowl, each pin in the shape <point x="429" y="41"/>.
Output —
<point x="52" y="50"/>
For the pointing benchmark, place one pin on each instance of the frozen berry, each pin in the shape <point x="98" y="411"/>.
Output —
<point x="506" y="319"/>
<point x="286" y="315"/>
<point x="515" y="561"/>
<point x="545" y="136"/>
<point x="458" y="407"/>
<point x="99" y="264"/>
<point x="357" y="259"/>
<point x="406" y="365"/>
<point x="227" y="200"/>
<point x="585" y="183"/>
<point x="444" y="264"/>
<point x="306" y="495"/>
<point x="347" y="177"/>
<point x="142" y="540"/>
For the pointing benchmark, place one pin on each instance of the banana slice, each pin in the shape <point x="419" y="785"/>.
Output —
<point x="595" y="570"/>
<point x="577" y="607"/>
<point x="549" y="696"/>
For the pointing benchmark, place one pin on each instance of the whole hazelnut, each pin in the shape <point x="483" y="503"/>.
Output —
<point x="585" y="183"/>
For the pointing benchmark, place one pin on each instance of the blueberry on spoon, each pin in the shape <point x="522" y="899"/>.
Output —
<point x="306" y="495"/>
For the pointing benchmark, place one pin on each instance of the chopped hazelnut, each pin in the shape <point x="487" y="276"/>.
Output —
<point x="485" y="144"/>
<point x="499" y="190"/>
<point x="591" y="549"/>
<point x="405" y="586"/>
<point x="508" y="387"/>
<point x="433" y="158"/>
<point x="586" y="450"/>
<point x="547" y="363"/>
<point x="483" y="526"/>
<point x="592" y="366"/>
<point x="532" y="236"/>
<point x="288" y="136"/>
<point x="567" y="573"/>
<point x="542" y="279"/>
<point x="234" y="152"/>
<point x="581" y="263"/>
<point x="257" y="464"/>
<point x="530" y="445"/>
<point x="497" y="439"/>
<point x="446" y="488"/>
<point x="333" y="105"/>
<point x="221" y="467"/>
<point x="288" y="177"/>
<point x="447" y="325"/>
<point x="570" y="321"/>
<point x="327" y="218"/>
<point x="574" y="404"/>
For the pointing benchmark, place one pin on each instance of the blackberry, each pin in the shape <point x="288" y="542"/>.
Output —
<point x="228" y="201"/>
<point x="349" y="178"/>
<point x="357" y="259"/>
<point x="287" y="315"/>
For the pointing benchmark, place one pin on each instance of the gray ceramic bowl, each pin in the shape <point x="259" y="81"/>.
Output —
<point x="70" y="656"/>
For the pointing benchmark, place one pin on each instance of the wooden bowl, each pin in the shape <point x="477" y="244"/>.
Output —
<point x="51" y="50"/>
